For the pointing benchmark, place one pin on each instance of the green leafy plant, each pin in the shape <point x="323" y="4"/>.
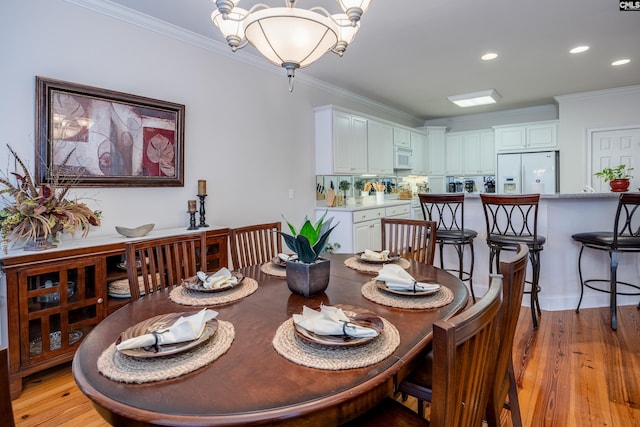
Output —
<point x="619" y="172"/>
<point x="359" y="185"/>
<point x="44" y="211"/>
<point x="309" y="242"/>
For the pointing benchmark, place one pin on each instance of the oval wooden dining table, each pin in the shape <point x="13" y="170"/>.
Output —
<point x="252" y="384"/>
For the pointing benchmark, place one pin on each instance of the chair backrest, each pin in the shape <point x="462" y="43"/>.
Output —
<point x="513" y="272"/>
<point x="6" y="410"/>
<point x="627" y="222"/>
<point x="255" y="244"/>
<point x="513" y="215"/>
<point x="464" y="356"/>
<point x="164" y="261"/>
<point x="446" y="210"/>
<point x="410" y="238"/>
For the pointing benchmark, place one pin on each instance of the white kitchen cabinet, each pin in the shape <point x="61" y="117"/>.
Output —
<point x="379" y="148"/>
<point x="402" y="137"/>
<point x="420" y="151"/>
<point x="341" y="142"/>
<point x="455" y="154"/>
<point x="479" y="153"/>
<point x="437" y="184"/>
<point x="436" y="151"/>
<point x="472" y="153"/>
<point x="527" y="136"/>
<point x="360" y="229"/>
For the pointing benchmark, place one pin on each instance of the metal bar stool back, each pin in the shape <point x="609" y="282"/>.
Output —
<point x="625" y="237"/>
<point x="513" y="219"/>
<point x="447" y="211"/>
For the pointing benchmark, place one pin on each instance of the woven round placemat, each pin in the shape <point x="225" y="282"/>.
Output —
<point x="184" y="296"/>
<point x="306" y="353"/>
<point x="372" y="292"/>
<point x="119" y="367"/>
<point x="356" y="264"/>
<point x="273" y="270"/>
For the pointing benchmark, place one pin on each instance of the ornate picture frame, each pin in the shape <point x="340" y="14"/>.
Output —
<point x="102" y="138"/>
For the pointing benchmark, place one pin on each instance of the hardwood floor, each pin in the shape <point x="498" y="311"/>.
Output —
<point x="573" y="371"/>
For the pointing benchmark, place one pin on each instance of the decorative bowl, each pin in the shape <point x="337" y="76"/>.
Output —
<point x="140" y="231"/>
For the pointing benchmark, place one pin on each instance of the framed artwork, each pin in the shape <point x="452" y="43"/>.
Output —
<point x="100" y="138"/>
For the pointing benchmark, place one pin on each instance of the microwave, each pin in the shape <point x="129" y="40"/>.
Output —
<point x="402" y="158"/>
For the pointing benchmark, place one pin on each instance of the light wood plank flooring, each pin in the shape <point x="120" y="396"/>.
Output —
<point x="573" y="371"/>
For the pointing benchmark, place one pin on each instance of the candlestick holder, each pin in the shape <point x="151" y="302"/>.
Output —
<point x="202" y="223"/>
<point x="192" y="220"/>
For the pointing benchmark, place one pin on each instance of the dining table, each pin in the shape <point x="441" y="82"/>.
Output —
<point x="253" y="383"/>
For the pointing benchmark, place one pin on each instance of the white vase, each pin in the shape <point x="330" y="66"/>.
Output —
<point x="379" y="197"/>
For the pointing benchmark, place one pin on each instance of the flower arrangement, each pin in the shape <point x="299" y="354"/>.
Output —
<point x="310" y="241"/>
<point x="31" y="213"/>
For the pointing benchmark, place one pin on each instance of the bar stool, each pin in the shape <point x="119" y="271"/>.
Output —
<point x="447" y="211"/>
<point x="513" y="219"/>
<point x="625" y="237"/>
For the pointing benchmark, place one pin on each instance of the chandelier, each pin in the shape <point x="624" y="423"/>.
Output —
<point x="287" y="36"/>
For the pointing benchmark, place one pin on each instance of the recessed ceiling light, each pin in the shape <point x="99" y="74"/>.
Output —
<point x="620" y="62"/>
<point x="473" y="99"/>
<point x="489" y="56"/>
<point x="579" y="49"/>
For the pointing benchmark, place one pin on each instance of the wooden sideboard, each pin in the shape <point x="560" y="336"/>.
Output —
<point x="37" y="302"/>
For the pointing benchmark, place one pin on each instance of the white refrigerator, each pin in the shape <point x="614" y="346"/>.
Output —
<point x="526" y="173"/>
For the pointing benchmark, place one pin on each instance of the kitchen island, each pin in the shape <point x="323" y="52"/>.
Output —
<point x="559" y="217"/>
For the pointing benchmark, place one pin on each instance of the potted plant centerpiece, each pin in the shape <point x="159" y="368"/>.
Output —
<point x="35" y="215"/>
<point x="618" y="177"/>
<point x="308" y="274"/>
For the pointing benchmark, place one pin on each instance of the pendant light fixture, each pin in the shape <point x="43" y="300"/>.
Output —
<point x="287" y="36"/>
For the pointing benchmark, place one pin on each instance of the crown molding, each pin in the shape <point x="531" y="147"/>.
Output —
<point x="131" y="16"/>
<point x="598" y="93"/>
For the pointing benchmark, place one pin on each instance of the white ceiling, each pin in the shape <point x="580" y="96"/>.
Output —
<point x="412" y="54"/>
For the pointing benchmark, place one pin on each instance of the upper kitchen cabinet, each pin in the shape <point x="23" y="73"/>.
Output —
<point x="527" y="136"/>
<point x="436" y="151"/>
<point x="419" y="148"/>
<point x="341" y="142"/>
<point x="402" y="137"/>
<point x="380" y="148"/>
<point x="471" y="153"/>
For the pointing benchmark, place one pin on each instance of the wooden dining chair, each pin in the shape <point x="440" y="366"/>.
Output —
<point x="410" y="238"/>
<point x="164" y="261"/>
<point x="419" y="383"/>
<point x="255" y="244"/>
<point x="465" y="353"/>
<point x="6" y="409"/>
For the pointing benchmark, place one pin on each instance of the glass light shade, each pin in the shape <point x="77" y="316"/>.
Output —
<point x="231" y="28"/>
<point x="287" y="35"/>
<point x="346" y="32"/>
<point x="360" y="4"/>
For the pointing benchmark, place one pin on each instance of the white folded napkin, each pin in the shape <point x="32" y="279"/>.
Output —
<point x="219" y="279"/>
<point x="285" y="257"/>
<point x="187" y="328"/>
<point x="331" y="321"/>
<point x="397" y="279"/>
<point x="375" y="256"/>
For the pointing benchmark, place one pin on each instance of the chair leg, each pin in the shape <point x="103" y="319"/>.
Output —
<point x="614" y="290"/>
<point x="471" y="271"/>
<point x="514" y="403"/>
<point x="581" y="280"/>
<point x="535" y="304"/>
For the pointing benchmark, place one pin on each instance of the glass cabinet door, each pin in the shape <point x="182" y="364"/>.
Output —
<point x="60" y="302"/>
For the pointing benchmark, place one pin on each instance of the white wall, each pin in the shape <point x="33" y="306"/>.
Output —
<point x="245" y="133"/>
<point x="590" y="110"/>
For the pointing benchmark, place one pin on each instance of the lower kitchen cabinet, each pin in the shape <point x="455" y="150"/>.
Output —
<point x="55" y="297"/>
<point x="359" y="228"/>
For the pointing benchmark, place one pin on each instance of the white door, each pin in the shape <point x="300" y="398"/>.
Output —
<point x="611" y="148"/>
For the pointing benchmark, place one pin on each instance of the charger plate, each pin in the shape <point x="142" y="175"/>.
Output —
<point x="159" y="323"/>
<point x="358" y="315"/>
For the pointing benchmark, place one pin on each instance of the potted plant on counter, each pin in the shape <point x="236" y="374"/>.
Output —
<point x="617" y="177"/>
<point x="308" y="274"/>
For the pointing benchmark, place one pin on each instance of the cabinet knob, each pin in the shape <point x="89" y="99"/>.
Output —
<point x="100" y="301"/>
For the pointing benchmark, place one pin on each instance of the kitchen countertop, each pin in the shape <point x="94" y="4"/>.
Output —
<point x="563" y="196"/>
<point x="353" y="208"/>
